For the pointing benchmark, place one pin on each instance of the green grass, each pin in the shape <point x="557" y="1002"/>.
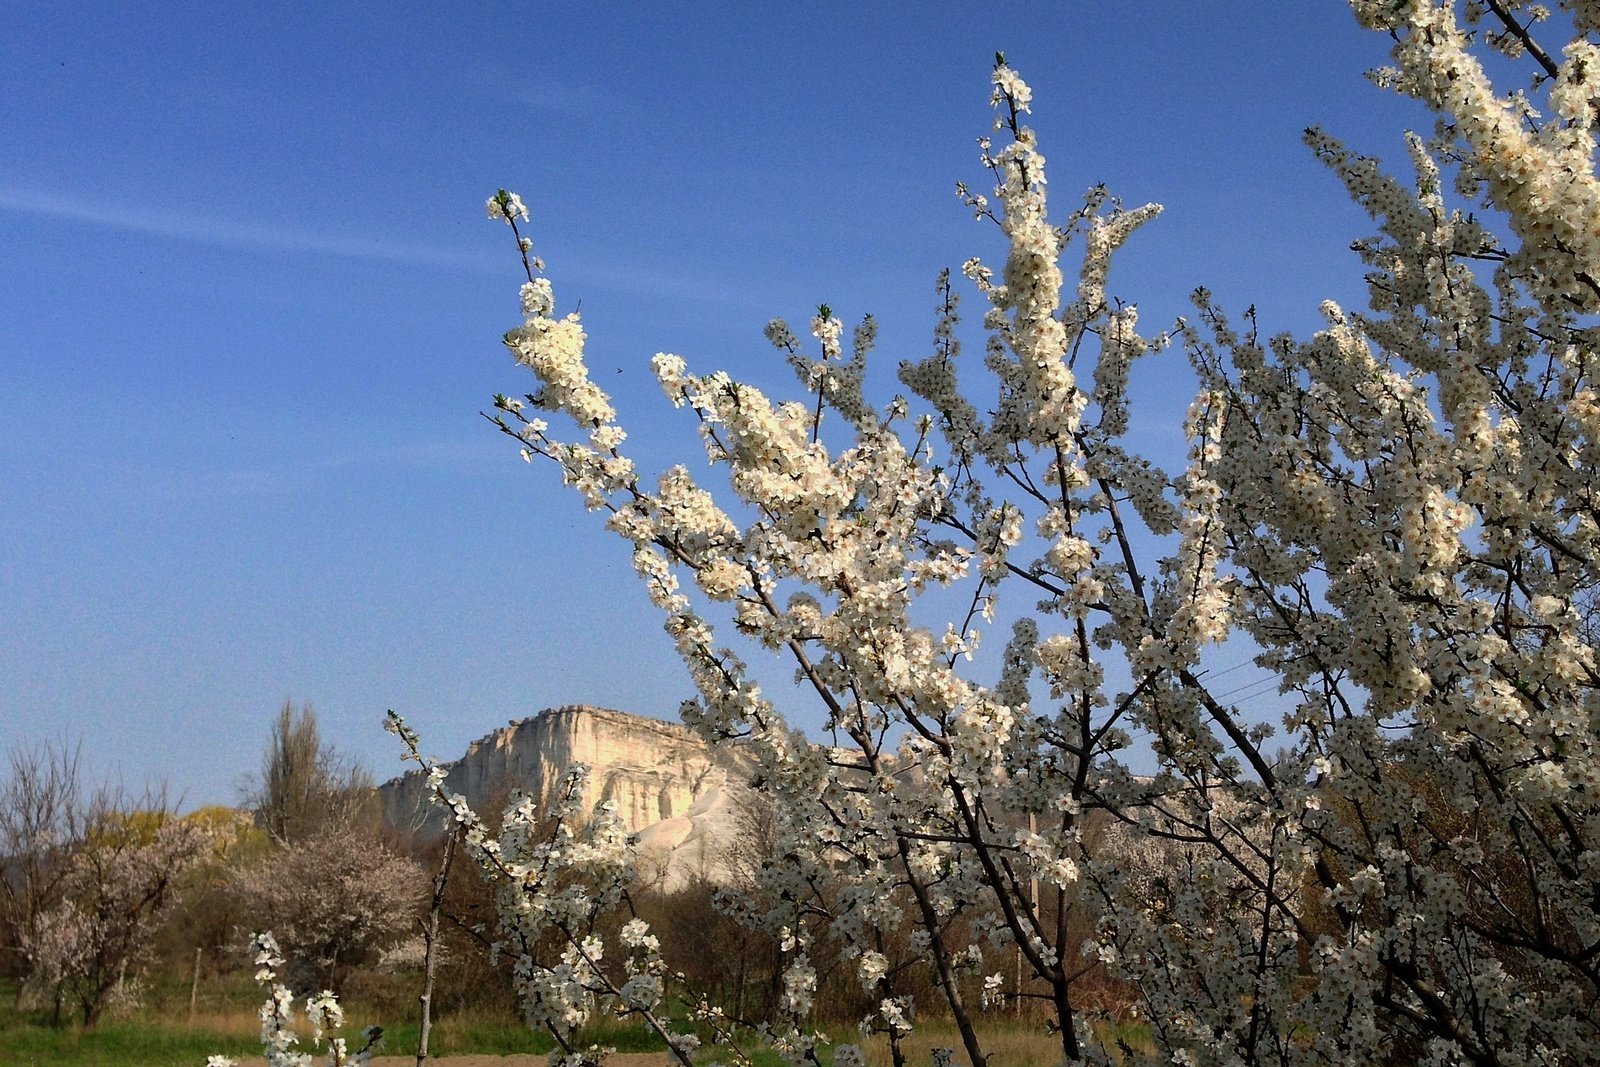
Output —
<point x="162" y="1035"/>
<point x="150" y="1039"/>
<point x="115" y="1044"/>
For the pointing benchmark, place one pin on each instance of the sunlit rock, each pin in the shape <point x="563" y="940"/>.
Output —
<point x="670" y="788"/>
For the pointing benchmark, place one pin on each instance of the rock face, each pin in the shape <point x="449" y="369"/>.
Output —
<point x="679" y="795"/>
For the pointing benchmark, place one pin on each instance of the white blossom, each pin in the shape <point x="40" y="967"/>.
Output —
<point x="1392" y="521"/>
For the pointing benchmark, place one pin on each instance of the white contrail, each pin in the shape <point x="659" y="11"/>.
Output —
<point x="96" y="211"/>
<point x="202" y="229"/>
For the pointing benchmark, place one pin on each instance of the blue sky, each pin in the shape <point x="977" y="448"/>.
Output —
<point x="250" y="308"/>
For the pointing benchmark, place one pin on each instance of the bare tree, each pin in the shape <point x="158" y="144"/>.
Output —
<point x="306" y="785"/>
<point x="39" y="820"/>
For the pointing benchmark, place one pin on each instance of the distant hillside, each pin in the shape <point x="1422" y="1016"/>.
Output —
<point x="673" y="790"/>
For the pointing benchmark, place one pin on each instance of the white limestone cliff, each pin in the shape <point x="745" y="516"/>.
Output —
<point x="679" y="795"/>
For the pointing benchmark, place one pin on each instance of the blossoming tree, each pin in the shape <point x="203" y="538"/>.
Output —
<point x="1398" y="514"/>
<point x="120" y="876"/>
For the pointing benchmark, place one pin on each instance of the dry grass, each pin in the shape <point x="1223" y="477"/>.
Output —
<point x="238" y="1022"/>
<point x="1013" y="1044"/>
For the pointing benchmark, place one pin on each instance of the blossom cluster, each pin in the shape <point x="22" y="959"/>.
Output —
<point x="280" y="1044"/>
<point x="1394" y="520"/>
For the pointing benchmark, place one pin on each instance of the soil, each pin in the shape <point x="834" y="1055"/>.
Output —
<point x="618" y="1059"/>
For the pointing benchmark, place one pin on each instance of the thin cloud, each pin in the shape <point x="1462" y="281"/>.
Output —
<point x="531" y="96"/>
<point x="576" y="101"/>
<point x="645" y="281"/>
<point x="179" y="226"/>
<point x="299" y="474"/>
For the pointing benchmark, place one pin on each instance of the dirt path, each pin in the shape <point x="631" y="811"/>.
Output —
<point x="620" y="1059"/>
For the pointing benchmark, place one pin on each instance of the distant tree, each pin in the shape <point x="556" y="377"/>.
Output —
<point x="119" y="876"/>
<point x="208" y="916"/>
<point x="39" y="817"/>
<point x="306" y="785"/>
